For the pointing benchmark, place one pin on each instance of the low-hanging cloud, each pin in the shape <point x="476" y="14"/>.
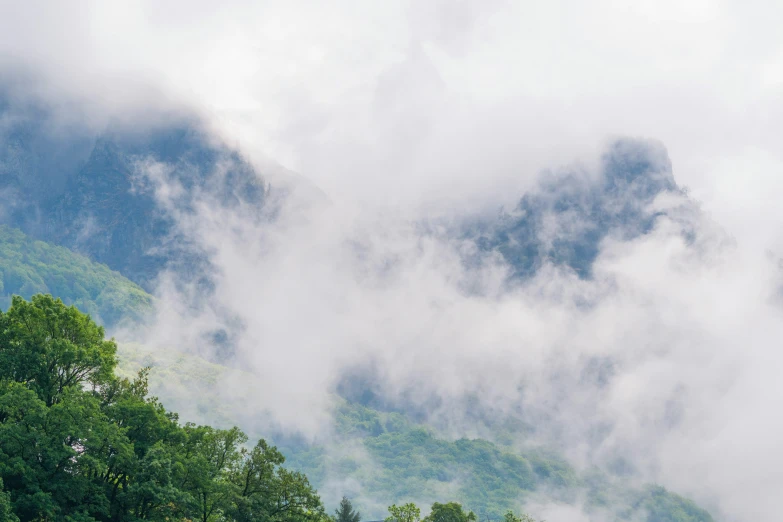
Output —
<point x="651" y="361"/>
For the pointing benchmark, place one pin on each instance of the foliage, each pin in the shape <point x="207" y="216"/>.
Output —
<point x="78" y="443"/>
<point x="405" y="513"/>
<point x="450" y="512"/>
<point x="28" y="267"/>
<point x="51" y="347"/>
<point x="346" y="513"/>
<point x="6" y="515"/>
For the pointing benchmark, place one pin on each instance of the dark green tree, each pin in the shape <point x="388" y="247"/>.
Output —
<point x="267" y="491"/>
<point x="212" y="457"/>
<point x="450" y="512"/>
<point x="6" y="515"/>
<point x="77" y="444"/>
<point x="346" y="513"/>
<point x="406" y="513"/>
<point x="50" y="347"/>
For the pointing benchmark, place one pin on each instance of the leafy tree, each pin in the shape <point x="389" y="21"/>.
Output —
<point x="50" y="347"/>
<point x="77" y="444"/>
<point x="153" y="494"/>
<point x="267" y="491"/>
<point x="450" y="512"/>
<point x="346" y="513"/>
<point x="212" y="455"/>
<point x="405" y="513"/>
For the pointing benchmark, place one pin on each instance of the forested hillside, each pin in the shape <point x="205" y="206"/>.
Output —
<point x="28" y="267"/>
<point x="386" y="457"/>
<point x="78" y="443"/>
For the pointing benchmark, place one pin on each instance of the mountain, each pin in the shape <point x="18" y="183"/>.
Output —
<point x="114" y="196"/>
<point x="28" y="267"/>
<point x="98" y="193"/>
<point x="564" y="219"/>
<point x="95" y="192"/>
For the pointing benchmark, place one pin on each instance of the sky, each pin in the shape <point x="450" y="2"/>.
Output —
<point x="403" y="111"/>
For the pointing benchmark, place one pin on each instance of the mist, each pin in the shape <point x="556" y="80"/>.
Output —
<point x="687" y="329"/>
<point x="406" y="120"/>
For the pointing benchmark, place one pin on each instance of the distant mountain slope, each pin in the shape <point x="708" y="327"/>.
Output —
<point x="109" y="209"/>
<point x="566" y="217"/>
<point x="28" y="266"/>
<point x="90" y="191"/>
<point x="380" y="458"/>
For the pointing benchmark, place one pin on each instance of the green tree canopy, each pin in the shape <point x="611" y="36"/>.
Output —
<point x="450" y="512"/>
<point x="78" y="444"/>
<point x="406" y="513"/>
<point x="51" y="347"/>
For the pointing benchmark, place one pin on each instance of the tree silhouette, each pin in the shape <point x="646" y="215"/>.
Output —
<point x="345" y="512"/>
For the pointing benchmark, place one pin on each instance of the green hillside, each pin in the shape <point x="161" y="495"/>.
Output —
<point x="390" y="459"/>
<point x="28" y="267"/>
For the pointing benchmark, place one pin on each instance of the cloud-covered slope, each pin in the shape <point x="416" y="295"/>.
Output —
<point x="379" y="458"/>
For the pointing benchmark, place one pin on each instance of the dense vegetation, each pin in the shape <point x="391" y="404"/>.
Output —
<point x="28" y="267"/>
<point x="79" y="444"/>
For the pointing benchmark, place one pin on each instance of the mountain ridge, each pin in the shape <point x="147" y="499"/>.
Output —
<point x="87" y="190"/>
